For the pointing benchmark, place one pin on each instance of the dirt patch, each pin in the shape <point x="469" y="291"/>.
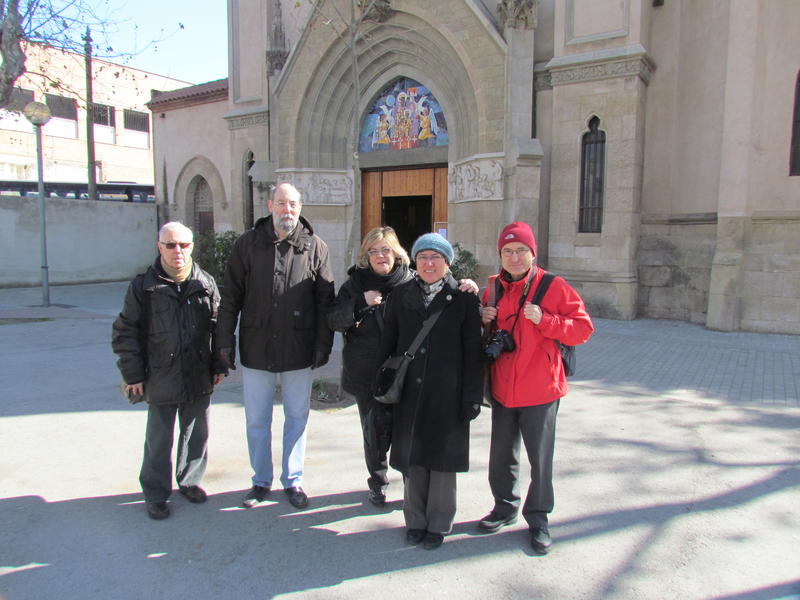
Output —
<point x="15" y="321"/>
<point x="327" y="395"/>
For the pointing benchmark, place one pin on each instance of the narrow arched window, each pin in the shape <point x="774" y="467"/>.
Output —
<point x="249" y="212"/>
<point x="203" y="207"/>
<point x="794" y="150"/>
<point x="593" y="158"/>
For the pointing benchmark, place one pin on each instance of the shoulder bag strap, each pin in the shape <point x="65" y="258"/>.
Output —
<point x="541" y="289"/>
<point x="524" y="295"/>
<point x="427" y="325"/>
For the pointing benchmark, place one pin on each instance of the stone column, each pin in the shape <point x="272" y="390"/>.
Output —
<point x="523" y="154"/>
<point x="725" y="292"/>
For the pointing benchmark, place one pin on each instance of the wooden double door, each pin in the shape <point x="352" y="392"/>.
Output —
<point x="408" y="200"/>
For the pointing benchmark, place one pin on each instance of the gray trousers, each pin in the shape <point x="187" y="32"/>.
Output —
<point x="192" y="454"/>
<point x="536" y="426"/>
<point x="429" y="500"/>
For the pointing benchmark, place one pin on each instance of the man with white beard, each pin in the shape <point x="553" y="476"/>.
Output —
<point x="279" y="280"/>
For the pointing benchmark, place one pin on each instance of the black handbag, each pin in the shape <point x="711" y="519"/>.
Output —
<point x="392" y="373"/>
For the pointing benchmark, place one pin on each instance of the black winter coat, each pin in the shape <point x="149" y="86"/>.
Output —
<point x="283" y="290"/>
<point x="445" y="374"/>
<point x="350" y="314"/>
<point x="163" y="337"/>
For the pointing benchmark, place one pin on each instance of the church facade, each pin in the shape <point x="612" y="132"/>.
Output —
<point x="654" y="145"/>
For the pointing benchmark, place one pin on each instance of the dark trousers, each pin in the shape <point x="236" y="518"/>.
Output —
<point x="429" y="500"/>
<point x="376" y="426"/>
<point x="536" y="427"/>
<point x="192" y="454"/>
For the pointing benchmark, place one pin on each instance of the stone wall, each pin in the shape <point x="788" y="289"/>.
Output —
<point x="674" y="270"/>
<point x="771" y="277"/>
<point x="86" y="241"/>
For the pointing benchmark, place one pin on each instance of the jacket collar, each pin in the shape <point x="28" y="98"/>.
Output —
<point x="155" y="279"/>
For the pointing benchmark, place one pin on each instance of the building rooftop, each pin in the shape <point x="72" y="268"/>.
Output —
<point x="202" y="93"/>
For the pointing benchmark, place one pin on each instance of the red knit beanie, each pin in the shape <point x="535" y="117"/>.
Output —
<point x="517" y="232"/>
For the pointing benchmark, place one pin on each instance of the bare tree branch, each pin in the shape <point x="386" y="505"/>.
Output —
<point x="56" y="24"/>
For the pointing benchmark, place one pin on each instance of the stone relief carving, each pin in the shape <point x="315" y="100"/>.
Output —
<point x="380" y="10"/>
<point x="518" y="14"/>
<point x="334" y="188"/>
<point x="542" y="81"/>
<point x="473" y="180"/>
<point x="248" y="121"/>
<point x="626" y="68"/>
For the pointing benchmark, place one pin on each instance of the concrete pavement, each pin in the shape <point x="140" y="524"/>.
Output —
<point x="677" y="476"/>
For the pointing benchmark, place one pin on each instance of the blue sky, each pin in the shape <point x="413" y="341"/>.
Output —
<point x="196" y="53"/>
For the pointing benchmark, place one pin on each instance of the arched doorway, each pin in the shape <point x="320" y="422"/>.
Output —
<point x="404" y="123"/>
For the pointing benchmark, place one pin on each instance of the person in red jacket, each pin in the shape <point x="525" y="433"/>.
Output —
<point x="527" y="379"/>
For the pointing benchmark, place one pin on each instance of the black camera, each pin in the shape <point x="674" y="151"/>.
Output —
<point x="500" y="341"/>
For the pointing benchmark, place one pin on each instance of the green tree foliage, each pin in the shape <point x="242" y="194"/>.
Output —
<point x="212" y="250"/>
<point x="465" y="265"/>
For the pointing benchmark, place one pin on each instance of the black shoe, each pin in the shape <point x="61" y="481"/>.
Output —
<point x="377" y="497"/>
<point x="157" y="510"/>
<point x="494" y="522"/>
<point x="194" y="494"/>
<point x="432" y="540"/>
<point x="540" y="540"/>
<point x="255" y="496"/>
<point x="415" y="536"/>
<point x="297" y="497"/>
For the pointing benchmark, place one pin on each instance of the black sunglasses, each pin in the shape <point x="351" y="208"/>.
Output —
<point x="171" y="245"/>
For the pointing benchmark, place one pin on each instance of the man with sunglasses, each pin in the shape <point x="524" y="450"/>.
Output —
<point x="279" y="283"/>
<point x="163" y="338"/>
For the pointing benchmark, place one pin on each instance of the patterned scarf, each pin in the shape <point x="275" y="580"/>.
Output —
<point x="429" y="290"/>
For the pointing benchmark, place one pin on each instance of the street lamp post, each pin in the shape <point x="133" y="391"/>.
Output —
<point x="39" y="114"/>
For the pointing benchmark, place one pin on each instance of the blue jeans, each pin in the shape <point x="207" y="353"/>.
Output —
<point x="259" y="394"/>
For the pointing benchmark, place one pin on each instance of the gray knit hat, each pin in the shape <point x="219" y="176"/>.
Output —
<point x="435" y="242"/>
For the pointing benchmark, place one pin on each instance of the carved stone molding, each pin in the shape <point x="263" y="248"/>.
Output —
<point x="276" y="52"/>
<point x="640" y="67"/>
<point x="327" y="187"/>
<point x="248" y="120"/>
<point x="518" y="14"/>
<point x="476" y="179"/>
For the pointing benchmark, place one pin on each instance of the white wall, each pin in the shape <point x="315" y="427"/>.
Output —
<point x="86" y="241"/>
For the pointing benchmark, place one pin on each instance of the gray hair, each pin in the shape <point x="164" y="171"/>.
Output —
<point x="175" y="226"/>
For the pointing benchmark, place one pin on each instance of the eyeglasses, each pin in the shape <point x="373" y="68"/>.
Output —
<point x="429" y="257"/>
<point x="379" y="252"/>
<point x="171" y="245"/>
<point x="508" y="252"/>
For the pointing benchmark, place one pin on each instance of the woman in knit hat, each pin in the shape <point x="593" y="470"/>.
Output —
<point x="527" y="379"/>
<point x="442" y="391"/>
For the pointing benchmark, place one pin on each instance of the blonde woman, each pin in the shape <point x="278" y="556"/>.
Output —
<point x="358" y="313"/>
